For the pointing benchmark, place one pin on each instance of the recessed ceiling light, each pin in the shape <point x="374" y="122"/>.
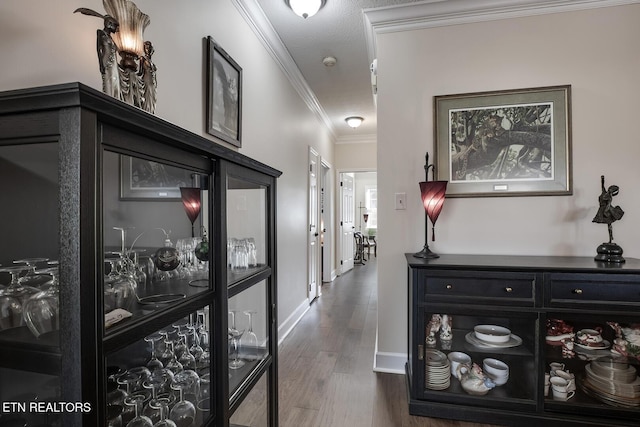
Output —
<point x="354" y="121"/>
<point x="305" y="8"/>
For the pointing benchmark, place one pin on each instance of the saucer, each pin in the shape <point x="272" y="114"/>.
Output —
<point x="513" y="341"/>
<point x="599" y="346"/>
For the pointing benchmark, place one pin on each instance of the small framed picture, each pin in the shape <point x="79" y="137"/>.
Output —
<point x="224" y="95"/>
<point x="505" y="143"/>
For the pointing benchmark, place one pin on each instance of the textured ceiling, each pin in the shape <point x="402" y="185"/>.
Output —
<point x="337" y="30"/>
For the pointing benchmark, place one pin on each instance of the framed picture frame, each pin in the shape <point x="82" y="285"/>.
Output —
<point x="142" y="179"/>
<point x="224" y="95"/>
<point x="505" y="143"/>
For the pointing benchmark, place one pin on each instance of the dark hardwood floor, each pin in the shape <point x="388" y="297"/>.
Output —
<point x="326" y="373"/>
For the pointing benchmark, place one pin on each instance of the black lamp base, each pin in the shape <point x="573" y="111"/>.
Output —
<point x="426" y="253"/>
<point x="609" y="252"/>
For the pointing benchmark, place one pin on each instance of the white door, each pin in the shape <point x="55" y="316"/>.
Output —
<point x="347" y="221"/>
<point x="326" y="222"/>
<point x="314" y="232"/>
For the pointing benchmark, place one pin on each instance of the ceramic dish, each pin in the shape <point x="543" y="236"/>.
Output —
<point x="492" y="333"/>
<point x="513" y="341"/>
<point x="599" y="346"/>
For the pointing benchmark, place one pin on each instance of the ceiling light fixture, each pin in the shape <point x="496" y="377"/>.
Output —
<point x="305" y="8"/>
<point x="354" y="121"/>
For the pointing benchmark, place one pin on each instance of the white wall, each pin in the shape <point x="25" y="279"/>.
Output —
<point x="44" y="42"/>
<point x="591" y="50"/>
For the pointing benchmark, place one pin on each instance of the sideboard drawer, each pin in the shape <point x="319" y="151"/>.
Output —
<point x="567" y="290"/>
<point x="475" y="286"/>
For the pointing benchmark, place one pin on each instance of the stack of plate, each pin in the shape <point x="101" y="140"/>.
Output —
<point x="437" y="370"/>
<point x="613" y="382"/>
<point x="492" y="336"/>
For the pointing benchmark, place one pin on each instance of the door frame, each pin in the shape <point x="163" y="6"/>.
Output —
<point x="339" y="242"/>
<point x="313" y="226"/>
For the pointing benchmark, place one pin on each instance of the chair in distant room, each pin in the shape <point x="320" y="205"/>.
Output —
<point x="369" y="242"/>
<point x="358" y="257"/>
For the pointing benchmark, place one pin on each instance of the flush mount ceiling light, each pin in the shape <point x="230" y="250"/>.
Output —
<point x="305" y="8"/>
<point x="354" y="121"/>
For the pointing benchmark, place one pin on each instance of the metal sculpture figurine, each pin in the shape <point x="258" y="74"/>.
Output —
<point x="133" y="79"/>
<point x="608" y="214"/>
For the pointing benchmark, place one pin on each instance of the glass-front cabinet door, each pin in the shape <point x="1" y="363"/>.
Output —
<point x="157" y="290"/>
<point x="30" y="360"/>
<point x="482" y="358"/>
<point x="249" y="226"/>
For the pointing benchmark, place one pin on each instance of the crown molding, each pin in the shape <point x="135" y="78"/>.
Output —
<point x="439" y="13"/>
<point x="253" y="14"/>
<point x="358" y="139"/>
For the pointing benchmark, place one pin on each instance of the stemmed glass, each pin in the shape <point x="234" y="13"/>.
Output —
<point x="13" y="297"/>
<point x="195" y="348"/>
<point x="183" y="412"/>
<point x="249" y="341"/>
<point x="164" y="422"/>
<point x="41" y="310"/>
<point x="139" y="420"/>
<point x="187" y="359"/>
<point x="154" y="363"/>
<point x="156" y="406"/>
<point x="235" y="334"/>
<point x="172" y="364"/>
<point x="31" y="277"/>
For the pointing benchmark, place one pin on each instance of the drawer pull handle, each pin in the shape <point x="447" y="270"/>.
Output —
<point x="577" y="291"/>
<point x="508" y="289"/>
<point x="449" y="286"/>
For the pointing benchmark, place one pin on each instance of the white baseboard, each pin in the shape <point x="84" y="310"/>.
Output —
<point x="389" y="363"/>
<point x="287" y="326"/>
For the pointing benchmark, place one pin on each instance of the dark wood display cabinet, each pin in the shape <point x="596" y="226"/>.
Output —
<point x="137" y="274"/>
<point x="524" y="340"/>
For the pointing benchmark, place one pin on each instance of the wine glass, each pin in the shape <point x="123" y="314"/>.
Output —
<point x="41" y="310"/>
<point x="195" y="348"/>
<point x="31" y="277"/>
<point x="154" y="363"/>
<point x="187" y="359"/>
<point x="154" y="408"/>
<point x="235" y="334"/>
<point x="204" y="394"/>
<point x="164" y="422"/>
<point x="172" y="364"/>
<point x="249" y="341"/>
<point x="138" y="420"/>
<point x="183" y="413"/>
<point x="13" y="297"/>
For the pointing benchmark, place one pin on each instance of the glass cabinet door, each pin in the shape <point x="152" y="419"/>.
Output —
<point x="249" y="333"/>
<point x="481" y="358"/>
<point x="156" y="248"/>
<point x="591" y="364"/>
<point x="29" y="283"/>
<point x="246" y="228"/>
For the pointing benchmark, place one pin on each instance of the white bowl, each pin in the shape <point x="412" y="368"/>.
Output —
<point x="492" y="333"/>
<point x="496" y="369"/>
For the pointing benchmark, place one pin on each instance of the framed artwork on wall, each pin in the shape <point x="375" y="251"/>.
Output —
<point x="144" y="179"/>
<point x="224" y="95"/>
<point x="505" y="143"/>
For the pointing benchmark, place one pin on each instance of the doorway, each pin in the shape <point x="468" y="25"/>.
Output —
<point x="358" y="212"/>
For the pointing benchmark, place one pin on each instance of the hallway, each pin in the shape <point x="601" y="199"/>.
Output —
<point x="325" y="364"/>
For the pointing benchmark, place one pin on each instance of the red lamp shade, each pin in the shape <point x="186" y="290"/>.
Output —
<point x="433" y="195"/>
<point x="191" y="202"/>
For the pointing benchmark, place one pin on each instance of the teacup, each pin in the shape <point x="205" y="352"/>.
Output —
<point x="458" y="358"/>
<point x="589" y="336"/>
<point x="546" y="383"/>
<point x="562" y="395"/>
<point x="497" y="370"/>
<point x="569" y="377"/>
<point x="555" y="366"/>
<point x="560" y="385"/>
